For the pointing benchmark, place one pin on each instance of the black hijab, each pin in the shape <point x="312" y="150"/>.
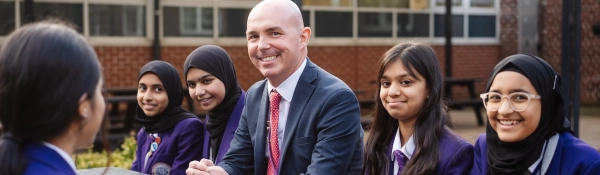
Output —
<point x="516" y="157"/>
<point x="172" y="84"/>
<point x="214" y="60"/>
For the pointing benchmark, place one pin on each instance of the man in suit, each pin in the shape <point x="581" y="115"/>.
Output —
<point x="315" y="129"/>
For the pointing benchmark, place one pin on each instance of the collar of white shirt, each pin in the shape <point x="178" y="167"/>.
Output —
<point x="62" y="154"/>
<point x="547" y="154"/>
<point x="288" y="86"/>
<point x="407" y="148"/>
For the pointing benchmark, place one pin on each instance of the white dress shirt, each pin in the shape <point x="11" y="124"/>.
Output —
<point x="547" y="154"/>
<point x="286" y="90"/>
<point x="408" y="149"/>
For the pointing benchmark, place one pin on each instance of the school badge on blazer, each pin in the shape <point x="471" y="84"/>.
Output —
<point x="161" y="169"/>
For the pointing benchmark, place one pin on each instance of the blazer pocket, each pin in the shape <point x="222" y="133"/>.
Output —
<point x="162" y="163"/>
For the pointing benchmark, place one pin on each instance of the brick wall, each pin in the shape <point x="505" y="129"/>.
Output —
<point x="551" y="39"/>
<point x="355" y="65"/>
<point x="509" y="28"/>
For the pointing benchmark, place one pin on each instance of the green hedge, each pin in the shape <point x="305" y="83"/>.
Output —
<point x="122" y="158"/>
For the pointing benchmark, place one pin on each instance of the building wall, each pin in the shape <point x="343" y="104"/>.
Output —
<point x="355" y="65"/>
<point x="551" y="38"/>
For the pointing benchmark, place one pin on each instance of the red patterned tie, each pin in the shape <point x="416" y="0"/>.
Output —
<point x="273" y="143"/>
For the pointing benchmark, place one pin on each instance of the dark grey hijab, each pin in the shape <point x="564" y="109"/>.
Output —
<point x="214" y="60"/>
<point x="516" y="157"/>
<point x="172" y="84"/>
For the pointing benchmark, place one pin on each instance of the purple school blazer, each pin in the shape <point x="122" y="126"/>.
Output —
<point x="43" y="160"/>
<point x="572" y="156"/>
<point x="456" y="155"/>
<point x="177" y="148"/>
<point x="232" y="125"/>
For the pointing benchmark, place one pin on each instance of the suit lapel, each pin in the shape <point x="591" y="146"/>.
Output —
<point x="302" y="94"/>
<point x="261" y="127"/>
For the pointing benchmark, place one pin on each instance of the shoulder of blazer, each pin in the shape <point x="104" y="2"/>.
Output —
<point x="256" y="86"/>
<point x="43" y="160"/>
<point x="572" y="147"/>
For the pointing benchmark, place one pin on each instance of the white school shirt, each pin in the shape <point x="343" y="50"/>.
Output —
<point x="547" y="153"/>
<point x="408" y="149"/>
<point x="62" y="154"/>
<point x="286" y="90"/>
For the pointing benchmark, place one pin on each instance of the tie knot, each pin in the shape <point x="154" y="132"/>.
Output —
<point x="275" y="97"/>
<point x="400" y="155"/>
<point x="401" y="160"/>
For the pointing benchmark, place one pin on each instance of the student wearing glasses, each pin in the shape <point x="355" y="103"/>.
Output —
<point x="527" y="132"/>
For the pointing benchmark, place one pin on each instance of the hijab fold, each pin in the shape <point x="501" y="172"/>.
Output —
<point x="215" y="60"/>
<point x="516" y="157"/>
<point x="174" y="113"/>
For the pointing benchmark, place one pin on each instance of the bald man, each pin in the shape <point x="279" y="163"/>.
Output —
<point x="301" y="119"/>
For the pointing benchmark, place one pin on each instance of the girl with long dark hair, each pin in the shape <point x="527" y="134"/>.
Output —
<point x="409" y="133"/>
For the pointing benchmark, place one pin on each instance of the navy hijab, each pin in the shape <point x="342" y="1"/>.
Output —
<point x="516" y="157"/>
<point x="215" y="60"/>
<point x="174" y="112"/>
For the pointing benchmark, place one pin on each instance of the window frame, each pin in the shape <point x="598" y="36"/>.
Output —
<point x="464" y="9"/>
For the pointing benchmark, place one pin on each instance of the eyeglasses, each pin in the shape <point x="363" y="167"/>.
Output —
<point x="519" y="101"/>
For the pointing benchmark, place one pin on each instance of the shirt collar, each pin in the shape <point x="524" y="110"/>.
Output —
<point x="62" y="154"/>
<point x="547" y="154"/>
<point x="408" y="149"/>
<point x="288" y="86"/>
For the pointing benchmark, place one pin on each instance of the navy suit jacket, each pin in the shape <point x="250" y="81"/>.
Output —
<point x="323" y="134"/>
<point x="456" y="155"/>
<point x="43" y="160"/>
<point x="176" y="150"/>
<point x="572" y="156"/>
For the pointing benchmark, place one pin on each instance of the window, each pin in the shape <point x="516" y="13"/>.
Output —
<point x="482" y="26"/>
<point x="7" y="17"/>
<point x="443" y="2"/>
<point x="383" y="3"/>
<point x="413" y="25"/>
<point x="330" y="3"/>
<point x="333" y="24"/>
<point x="72" y="13"/>
<point x="233" y="22"/>
<point x="306" y="18"/>
<point x="188" y="21"/>
<point x="375" y="24"/>
<point x="482" y="3"/>
<point x="117" y="20"/>
<point x="457" y="25"/>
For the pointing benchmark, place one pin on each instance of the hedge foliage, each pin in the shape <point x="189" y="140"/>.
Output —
<point x="122" y="158"/>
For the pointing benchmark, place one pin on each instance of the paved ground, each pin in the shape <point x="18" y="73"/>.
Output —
<point x="466" y="125"/>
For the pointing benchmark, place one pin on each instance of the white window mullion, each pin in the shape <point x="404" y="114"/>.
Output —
<point x="216" y="22"/>
<point x="17" y="14"/>
<point x="431" y="20"/>
<point x="312" y="22"/>
<point x="150" y="19"/>
<point x="395" y="24"/>
<point x="86" y="19"/>
<point x="355" y="21"/>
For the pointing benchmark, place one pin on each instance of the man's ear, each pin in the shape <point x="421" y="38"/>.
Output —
<point x="305" y="35"/>
<point x="84" y="108"/>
